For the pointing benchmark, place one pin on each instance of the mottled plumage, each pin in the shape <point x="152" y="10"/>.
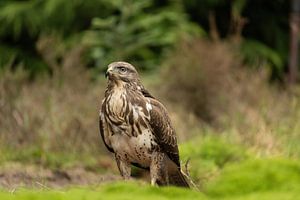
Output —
<point x="137" y="129"/>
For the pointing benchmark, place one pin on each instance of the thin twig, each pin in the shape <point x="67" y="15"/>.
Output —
<point x="42" y="185"/>
<point x="187" y="175"/>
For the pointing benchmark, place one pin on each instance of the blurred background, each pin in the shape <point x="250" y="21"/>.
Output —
<point x="225" y="69"/>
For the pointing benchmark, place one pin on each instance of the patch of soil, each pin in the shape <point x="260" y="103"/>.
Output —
<point x="13" y="176"/>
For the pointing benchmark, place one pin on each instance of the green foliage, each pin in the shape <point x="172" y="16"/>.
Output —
<point x="17" y="17"/>
<point x="258" y="54"/>
<point x="34" y="17"/>
<point x="7" y="55"/>
<point x="12" y="56"/>
<point x="137" y="30"/>
<point x="140" y="33"/>
<point x="22" y="23"/>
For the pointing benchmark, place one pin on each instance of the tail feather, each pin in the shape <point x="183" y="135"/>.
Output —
<point x="174" y="175"/>
<point x="178" y="179"/>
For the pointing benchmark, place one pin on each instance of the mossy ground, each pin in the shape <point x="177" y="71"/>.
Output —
<point x="259" y="179"/>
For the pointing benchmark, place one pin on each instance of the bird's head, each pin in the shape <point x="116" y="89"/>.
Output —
<point x="121" y="72"/>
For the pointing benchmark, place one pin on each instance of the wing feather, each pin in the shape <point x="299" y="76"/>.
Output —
<point x="146" y="93"/>
<point x="163" y="130"/>
<point x="103" y="128"/>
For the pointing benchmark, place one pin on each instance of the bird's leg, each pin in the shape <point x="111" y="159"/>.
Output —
<point x="124" y="167"/>
<point x="157" y="169"/>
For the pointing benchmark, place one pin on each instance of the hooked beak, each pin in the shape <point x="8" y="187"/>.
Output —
<point x="108" y="72"/>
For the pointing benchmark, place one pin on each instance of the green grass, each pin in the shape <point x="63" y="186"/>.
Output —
<point x="261" y="175"/>
<point x="124" y="191"/>
<point x="137" y="190"/>
<point x="292" y="195"/>
<point x="209" y="154"/>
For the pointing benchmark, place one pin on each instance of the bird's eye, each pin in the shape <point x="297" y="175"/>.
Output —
<point x="123" y="69"/>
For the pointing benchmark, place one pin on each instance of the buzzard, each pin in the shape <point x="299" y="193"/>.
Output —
<point x="137" y="129"/>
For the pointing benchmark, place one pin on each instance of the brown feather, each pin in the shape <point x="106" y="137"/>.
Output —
<point x="175" y="176"/>
<point x="163" y="131"/>
<point x="101" y="128"/>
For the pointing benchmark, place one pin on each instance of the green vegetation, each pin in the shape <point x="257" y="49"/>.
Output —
<point x="208" y="155"/>
<point x="256" y="176"/>
<point x="137" y="35"/>
<point x="37" y="35"/>
<point x="263" y="179"/>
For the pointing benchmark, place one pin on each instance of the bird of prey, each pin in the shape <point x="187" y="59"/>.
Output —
<point x="137" y="129"/>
